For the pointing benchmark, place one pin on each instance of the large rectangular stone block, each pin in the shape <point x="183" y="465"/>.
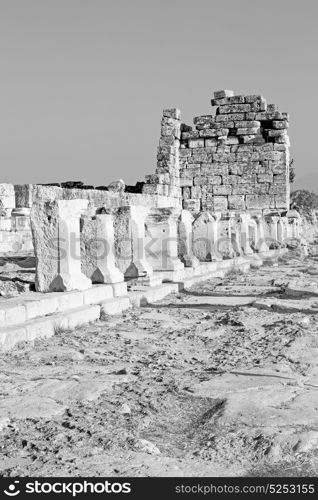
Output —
<point x="235" y="108"/>
<point x="220" y="203"/>
<point x="222" y="190"/>
<point x="230" y="117"/>
<point x="257" y="201"/>
<point x="248" y="131"/>
<point x="236" y="202"/>
<point x="206" y="133"/>
<point x="220" y="94"/>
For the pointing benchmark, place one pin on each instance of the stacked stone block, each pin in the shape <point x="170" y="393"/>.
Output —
<point x="166" y="180"/>
<point x="237" y="158"/>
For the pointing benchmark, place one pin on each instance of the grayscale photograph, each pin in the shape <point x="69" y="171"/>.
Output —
<point x="158" y="248"/>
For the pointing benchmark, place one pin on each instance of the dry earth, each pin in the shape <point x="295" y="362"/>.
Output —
<point x="219" y="380"/>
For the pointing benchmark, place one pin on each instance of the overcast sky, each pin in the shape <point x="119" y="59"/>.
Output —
<point x="84" y="82"/>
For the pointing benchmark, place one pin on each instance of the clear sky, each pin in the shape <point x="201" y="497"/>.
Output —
<point x="84" y="82"/>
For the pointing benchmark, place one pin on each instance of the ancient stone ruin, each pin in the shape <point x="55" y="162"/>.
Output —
<point x="219" y="199"/>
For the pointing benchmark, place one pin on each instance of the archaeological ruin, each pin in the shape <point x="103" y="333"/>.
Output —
<point x="219" y="198"/>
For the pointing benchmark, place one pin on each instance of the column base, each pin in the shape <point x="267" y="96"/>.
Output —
<point x="67" y="283"/>
<point x="190" y="261"/>
<point x="173" y="265"/>
<point x="248" y="250"/>
<point x="138" y="269"/>
<point x="262" y="247"/>
<point x="113" y="275"/>
<point x="147" y="281"/>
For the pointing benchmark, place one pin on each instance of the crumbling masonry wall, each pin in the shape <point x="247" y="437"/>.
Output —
<point x="235" y="159"/>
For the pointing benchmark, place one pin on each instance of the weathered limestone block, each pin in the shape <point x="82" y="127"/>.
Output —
<point x="220" y="94"/>
<point x="162" y="245"/>
<point x="117" y="186"/>
<point x="230" y="117"/>
<point x="191" y="134"/>
<point x="225" y="242"/>
<point x="247" y="124"/>
<point x="253" y="139"/>
<point x="232" y="141"/>
<point x="207" y="133"/>
<point x="139" y="267"/>
<point x="3" y="211"/>
<point x="273" y="230"/>
<point x="254" y="201"/>
<point x="56" y="239"/>
<point x="196" y="143"/>
<point x="205" y="237"/>
<point x="222" y="190"/>
<point x="235" y="234"/>
<point x="236" y="202"/>
<point x="191" y="205"/>
<point x="172" y="113"/>
<point x="261" y="244"/>
<point x="235" y="108"/>
<point x="106" y="270"/>
<point x="280" y="124"/>
<point x="245" y="234"/>
<point x="282" y="230"/>
<point x="220" y="203"/>
<point x="293" y="218"/>
<point x="7" y="198"/>
<point x="186" y="240"/>
<point x="248" y="131"/>
<point x="211" y="143"/>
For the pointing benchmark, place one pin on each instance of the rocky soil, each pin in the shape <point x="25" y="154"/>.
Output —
<point x="219" y="380"/>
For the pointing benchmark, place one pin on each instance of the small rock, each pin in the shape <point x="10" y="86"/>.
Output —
<point x="122" y="371"/>
<point x="307" y="442"/>
<point x="4" y="422"/>
<point x="125" y="409"/>
<point x="147" y="447"/>
<point x="117" y="186"/>
<point x="304" y="321"/>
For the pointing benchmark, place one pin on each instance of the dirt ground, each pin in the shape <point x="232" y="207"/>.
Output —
<point x="219" y="380"/>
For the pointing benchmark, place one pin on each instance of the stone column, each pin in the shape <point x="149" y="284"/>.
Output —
<point x="186" y="239"/>
<point x="235" y="234"/>
<point x="274" y="228"/>
<point x="282" y="230"/>
<point x="245" y="240"/>
<point x="106" y="270"/>
<point x="139" y="266"/>
<point x="213" y="234"/>
<point x="261" y="244"/>
<point x="162" y="225"/>
<point x="296" y="228"/>
<point x="69" y="276"/>
<point x="225" y="247"/>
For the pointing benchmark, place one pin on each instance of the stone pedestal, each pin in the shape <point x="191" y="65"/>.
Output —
<point x="106" y="270"/>
<point x="186" y="240"/>
<point x="235" y="235"/>
<point x="274" y="229"/>
<point x="139" y="266"/>
<point x="205" y="237"/>
<point x="224" y="245"/>
<point x="245" y="237"/>
<point x="261" y="244"/>
<point x="69" y="276"/>
<point x="282" y="230"/>
<point x="162" y="227"/>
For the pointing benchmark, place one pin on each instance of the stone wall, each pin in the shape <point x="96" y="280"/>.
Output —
<point x="237" y="158"/>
